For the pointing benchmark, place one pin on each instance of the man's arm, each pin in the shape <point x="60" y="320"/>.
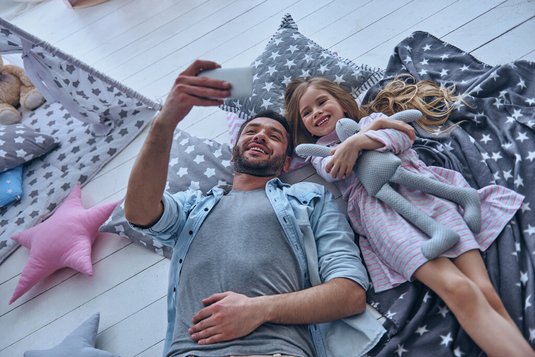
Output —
<point x="229" y="315"/>
<point x="148" y="177"/>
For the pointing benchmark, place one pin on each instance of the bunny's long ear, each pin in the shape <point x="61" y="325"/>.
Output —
<point x="306" y="150"/>
<point x="346" y="127"/>
<point x="407" y="116"/>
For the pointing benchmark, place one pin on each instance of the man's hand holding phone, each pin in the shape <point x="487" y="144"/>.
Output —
<point x="240" y="79"/>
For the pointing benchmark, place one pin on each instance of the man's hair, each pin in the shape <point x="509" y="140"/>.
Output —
<point x="278" y="118"/>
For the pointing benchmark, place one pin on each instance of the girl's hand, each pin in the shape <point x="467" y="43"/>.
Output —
<point x="386" y="123"/>
<point x="344" y="157"/>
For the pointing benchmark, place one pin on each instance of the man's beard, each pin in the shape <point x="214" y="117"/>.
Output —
<point x="267" y="168"/>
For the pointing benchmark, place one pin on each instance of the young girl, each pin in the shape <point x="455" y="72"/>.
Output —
<point x="390" y="245"/>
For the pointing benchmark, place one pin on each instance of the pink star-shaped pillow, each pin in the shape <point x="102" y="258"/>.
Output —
<point x="62" y="240"/>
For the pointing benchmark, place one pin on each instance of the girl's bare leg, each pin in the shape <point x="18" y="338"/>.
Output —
<point x="489" y="330"/>
<point x="472" y="265"/>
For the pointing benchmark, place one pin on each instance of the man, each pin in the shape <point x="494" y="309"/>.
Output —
<point x="257" y="268"/>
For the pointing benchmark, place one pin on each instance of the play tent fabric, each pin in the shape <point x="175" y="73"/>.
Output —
<point x="92" y="116"/>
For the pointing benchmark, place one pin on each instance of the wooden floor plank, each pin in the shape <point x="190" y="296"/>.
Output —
<point x="376" y="54"/>
<point x="102" y="249"/>
<point x="120" y="302"/>
<point x="244" y="47"/>
<point x="73" y="292"/>
<point x="511" y="45"/>
<point x="152" y="48"/>
<point x="115" y="336"/>
<point x="53" y="21"/>
<point x="163" y="56"/>
<point x="108" y="31"/>
<point x="155" y="350"/>
<point x="353" y="22"/>
<point x="491" y="25"/>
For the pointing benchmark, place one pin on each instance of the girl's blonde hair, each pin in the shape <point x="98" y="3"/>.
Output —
<point x="434" y="101"/>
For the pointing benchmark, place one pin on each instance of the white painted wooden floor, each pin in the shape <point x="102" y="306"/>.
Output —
<point x="145" y="44"/>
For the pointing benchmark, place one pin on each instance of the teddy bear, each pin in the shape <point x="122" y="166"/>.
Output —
<point x="16" y="90"/>
<point x="377" y="171"/>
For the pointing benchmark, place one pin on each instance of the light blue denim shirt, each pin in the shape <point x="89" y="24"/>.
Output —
<point x="321" y="238"/>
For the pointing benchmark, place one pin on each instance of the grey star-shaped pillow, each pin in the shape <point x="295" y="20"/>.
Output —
<point x="290" y="54"/>
<point x="80" y="343"/>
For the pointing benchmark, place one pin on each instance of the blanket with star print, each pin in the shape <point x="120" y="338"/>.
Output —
<point x="492" y="141"/>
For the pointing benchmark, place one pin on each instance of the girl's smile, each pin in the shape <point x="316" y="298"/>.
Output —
<point x="319" y="111"/>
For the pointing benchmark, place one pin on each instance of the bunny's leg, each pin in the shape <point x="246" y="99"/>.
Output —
<point x="467" y="198"/>
<point x="442" y="238"/>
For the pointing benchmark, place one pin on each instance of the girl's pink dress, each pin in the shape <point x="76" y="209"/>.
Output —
<point x="390" y="245"/>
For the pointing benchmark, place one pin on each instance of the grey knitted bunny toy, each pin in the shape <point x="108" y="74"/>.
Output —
<point x="376" y="170"/>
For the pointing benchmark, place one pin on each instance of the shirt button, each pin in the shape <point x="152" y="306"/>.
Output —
<point x="190" y="232"/>
<point x="180" y="261"/>
<point x="205" y="209"/>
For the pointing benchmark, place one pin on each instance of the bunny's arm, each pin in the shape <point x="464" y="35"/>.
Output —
<point x="319" y="156"/>
<point x="392" y="140"/>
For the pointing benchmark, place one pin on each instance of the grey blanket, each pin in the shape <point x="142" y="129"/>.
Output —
<point x="493" y="143"/>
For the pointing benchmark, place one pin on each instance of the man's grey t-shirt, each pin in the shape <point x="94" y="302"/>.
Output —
<point x="240" y="247"/>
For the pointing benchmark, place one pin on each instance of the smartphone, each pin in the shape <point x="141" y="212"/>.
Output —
<point x="240" y="79"/>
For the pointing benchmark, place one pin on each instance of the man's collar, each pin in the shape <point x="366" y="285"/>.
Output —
<point x="226" y="188"/>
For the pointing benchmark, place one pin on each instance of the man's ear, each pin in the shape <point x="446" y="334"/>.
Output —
<point x="286" y="165"/>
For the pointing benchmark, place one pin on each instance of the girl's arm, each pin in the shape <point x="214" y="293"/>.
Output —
<point x="377" y="133"/>
<point x="346" y="154"/>
<point x="320" y="164"/>
<point x="395" y="136"/>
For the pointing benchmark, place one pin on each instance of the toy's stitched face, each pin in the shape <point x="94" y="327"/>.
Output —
<point x="319" y="111"/>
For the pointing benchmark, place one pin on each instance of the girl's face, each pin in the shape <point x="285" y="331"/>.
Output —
<point x="319" y="111"/>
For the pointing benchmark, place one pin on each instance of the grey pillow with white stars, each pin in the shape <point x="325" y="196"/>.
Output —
<point x="20" y="144"/>
<point x="198" y="164"/>
<point x="289" y="54"/>
<point x="195" y="164"/>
